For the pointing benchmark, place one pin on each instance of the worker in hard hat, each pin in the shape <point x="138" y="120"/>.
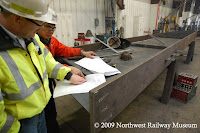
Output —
<point x="57" y="49"/>
<point x="25" y="65"/>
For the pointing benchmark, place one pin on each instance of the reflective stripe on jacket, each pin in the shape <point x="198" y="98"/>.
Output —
<point x="59" y="49"/>
<point x="24" y="89"/>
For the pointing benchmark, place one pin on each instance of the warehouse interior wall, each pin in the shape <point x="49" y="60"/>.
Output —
<point x="164" y="11"/>
<point x="137" y="19"/>
<point x="134" y="18"/>
<point x="77" y="16"/>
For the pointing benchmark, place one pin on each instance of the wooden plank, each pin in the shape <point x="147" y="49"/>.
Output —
<point x="110" y="98"/>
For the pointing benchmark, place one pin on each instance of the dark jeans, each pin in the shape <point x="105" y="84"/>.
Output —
<point x="50" y="112"/>
<point x="36" y="124"/>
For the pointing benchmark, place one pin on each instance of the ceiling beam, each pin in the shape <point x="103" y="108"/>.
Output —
<point x="120" y="3"/>
<point x="197" y="7"/>
<point x="155" y="1"/>
<point x="179" y="0"/>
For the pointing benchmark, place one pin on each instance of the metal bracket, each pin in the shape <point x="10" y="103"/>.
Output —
<point x="174" y="55"/>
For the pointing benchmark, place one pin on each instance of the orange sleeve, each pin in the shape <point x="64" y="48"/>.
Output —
<point x="62" y="50"/>
<point x="65" y="65"/>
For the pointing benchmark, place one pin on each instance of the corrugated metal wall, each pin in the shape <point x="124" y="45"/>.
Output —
<point x="134" y="18"/>
<point x="77" y="16"/>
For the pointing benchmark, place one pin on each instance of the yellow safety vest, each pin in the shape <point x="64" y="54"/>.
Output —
<point x="24" y="87"/>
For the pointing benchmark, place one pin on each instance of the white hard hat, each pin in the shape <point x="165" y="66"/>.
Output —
<point x="51" y="16"/>
<point x="32" y="9"/>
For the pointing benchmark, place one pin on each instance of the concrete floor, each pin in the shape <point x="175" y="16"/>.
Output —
<point x="73" y="118"/>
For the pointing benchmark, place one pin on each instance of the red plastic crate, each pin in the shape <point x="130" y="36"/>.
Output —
<point x="184" y="87"/>
<point x="187" y="78"/>
<point x="182" y="95"/>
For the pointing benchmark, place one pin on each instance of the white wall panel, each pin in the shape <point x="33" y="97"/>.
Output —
<point x="58" y="31"/>
<point x="62" y="5"/>
<point x="77" y="16"/>
<point x="56" y="5"/>
<point x="146" y="16"/>
<point x="153" y="13"/>
<point x="128" y="29"/>
<point x="64" y="32"/>
<point x="135" y="9"/>
<point x="138" y="28"/>
<point x="69" y="30"/>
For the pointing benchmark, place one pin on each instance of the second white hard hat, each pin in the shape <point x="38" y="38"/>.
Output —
<point x="51" y="16"/>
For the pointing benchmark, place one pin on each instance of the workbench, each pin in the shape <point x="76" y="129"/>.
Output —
<point x="149" y="59"/>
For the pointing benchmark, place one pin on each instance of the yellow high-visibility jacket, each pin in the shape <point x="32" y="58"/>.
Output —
<point x="24" y="89"/>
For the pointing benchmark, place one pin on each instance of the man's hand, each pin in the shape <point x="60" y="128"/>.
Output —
<point x="76" y="79"/>
<point x="89" y="54"/>
<point x="76" y="71"/>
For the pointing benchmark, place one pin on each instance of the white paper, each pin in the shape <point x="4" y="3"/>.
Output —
<point x="97" y="65"/>
<point x="65" y="87"/>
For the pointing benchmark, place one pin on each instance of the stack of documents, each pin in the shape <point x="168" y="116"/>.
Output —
<point x="97" y="65"/>
<point x="65" y="87"/>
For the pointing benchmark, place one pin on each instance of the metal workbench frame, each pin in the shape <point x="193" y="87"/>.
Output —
<point x="109" y="99"/>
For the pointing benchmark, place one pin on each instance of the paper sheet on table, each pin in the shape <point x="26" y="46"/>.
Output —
<point x="65" y="87"/>
<point x="97" y="65"/>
